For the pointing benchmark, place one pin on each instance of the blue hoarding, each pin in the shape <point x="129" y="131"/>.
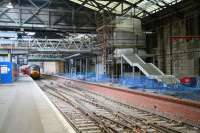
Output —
<point x="6" y="72"/>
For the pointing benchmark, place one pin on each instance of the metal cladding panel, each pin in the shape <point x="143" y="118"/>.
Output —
<point x="6" y="72"/>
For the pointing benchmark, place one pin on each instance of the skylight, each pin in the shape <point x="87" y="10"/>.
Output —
<point x="141" y="8"/>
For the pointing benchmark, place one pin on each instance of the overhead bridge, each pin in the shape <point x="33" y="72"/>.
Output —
<point x="49" y="45"/>
<point x="149" y="69"/>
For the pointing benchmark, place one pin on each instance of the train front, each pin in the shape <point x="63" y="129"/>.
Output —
<point x="35" y="72"/>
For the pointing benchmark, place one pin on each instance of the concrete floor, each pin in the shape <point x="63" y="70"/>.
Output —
<point x="25" y="109"/>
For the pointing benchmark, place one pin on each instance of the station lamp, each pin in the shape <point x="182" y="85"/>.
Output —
<point x="10" y="5"/>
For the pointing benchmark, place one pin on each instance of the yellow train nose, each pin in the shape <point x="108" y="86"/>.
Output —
<point x="35" y="74"/>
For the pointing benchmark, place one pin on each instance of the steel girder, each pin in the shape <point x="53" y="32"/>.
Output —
<point x="63" y="15"/>
<point x="46" y="57"/>
<point x="140" y="8"/>
<point x="47" y="49"/>
<point x="57" y="15"/>
<point x="50" y="45"/>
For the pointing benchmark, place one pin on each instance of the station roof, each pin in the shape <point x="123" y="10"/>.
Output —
<point x="138" y="8"/>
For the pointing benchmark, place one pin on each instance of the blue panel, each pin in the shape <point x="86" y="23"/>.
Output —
<point x="5" y="72"/>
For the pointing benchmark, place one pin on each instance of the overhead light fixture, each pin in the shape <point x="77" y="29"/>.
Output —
<point x="10" y="5"/>
<point x="148" y="32"/>
<point x="30" y="33"/>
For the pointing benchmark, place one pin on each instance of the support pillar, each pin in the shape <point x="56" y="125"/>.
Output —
<point x="9" y="56"/>
<point x="133" y="71"/>
<point x="86" y="66"/>
<point x="97" y="69"/>
<point x="75" y="65"/>
<point x="170" y="50"/>
<point x="80" y="65"/>
<point x="18" y="59"/>
<point x="121" y="67"/>
<point x="70" y="68"/>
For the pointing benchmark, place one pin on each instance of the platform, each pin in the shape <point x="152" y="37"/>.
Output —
<point x="25" y="109"/>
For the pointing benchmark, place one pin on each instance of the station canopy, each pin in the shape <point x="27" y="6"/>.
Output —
<point x="137" y="8"/>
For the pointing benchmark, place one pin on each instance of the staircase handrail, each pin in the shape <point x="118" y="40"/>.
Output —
<point x="156" y="68"/>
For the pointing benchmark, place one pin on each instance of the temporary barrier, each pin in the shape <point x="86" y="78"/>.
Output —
<point x="8" y="72"/>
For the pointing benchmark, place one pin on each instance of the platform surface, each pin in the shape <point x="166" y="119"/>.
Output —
<point x="25" y="109"/>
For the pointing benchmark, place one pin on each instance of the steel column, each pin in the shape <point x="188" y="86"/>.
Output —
<point x="86" y="66"/>
<point x="133" y="71"/>
<point x="80" y="66"/>
<point x="121" y="67"/>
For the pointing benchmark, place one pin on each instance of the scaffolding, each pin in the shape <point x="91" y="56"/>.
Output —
<point x="114" y="34"/>
<point x="105" y="38"/>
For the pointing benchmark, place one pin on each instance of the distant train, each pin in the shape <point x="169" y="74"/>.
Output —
<point x="34" y="71"/>
<point x="24" y="69"/>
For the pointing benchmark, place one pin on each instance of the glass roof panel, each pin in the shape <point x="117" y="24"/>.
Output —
<point x="117" y="8"/>
<point x="132" y="1"/>
<point x="91" y="7"/>
<point x="77" y="1"/>
<point x="146" y="6"/>
<point x="113" y="4"/>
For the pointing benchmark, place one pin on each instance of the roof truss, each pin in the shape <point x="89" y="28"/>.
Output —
<point x="136" y="8"/>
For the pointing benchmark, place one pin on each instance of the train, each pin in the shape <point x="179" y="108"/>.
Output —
<point x="32" y="70"/>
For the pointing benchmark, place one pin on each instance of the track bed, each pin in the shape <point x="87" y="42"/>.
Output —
<point x="88" y="111"/>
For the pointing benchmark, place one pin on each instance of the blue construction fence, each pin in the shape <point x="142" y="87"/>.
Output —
<point x="129" y="81"/>
<point x="143" y="83"/>
<point x="90" y="77"/>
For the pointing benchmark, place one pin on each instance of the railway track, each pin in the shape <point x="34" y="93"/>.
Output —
<point x="88" y="112"/>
